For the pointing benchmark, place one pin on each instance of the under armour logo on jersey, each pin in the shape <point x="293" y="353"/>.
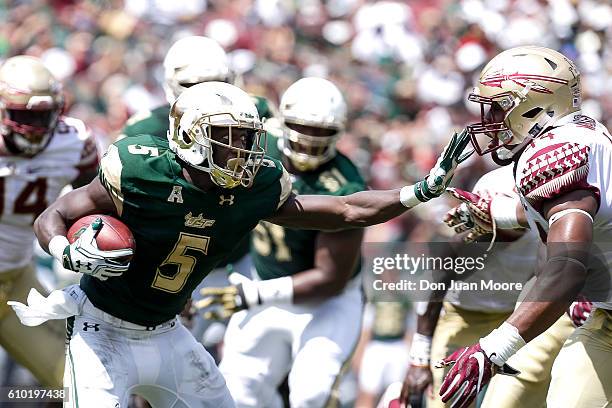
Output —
<point x="79" y="264"/>
<point x="228" y="201"/>
<point x="176" y="196"/>
<point x="87" y="325"/>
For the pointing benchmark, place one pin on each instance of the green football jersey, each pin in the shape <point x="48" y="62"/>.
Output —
<point x="181" y="232"/>
<point x="153" y="122"/>
<point x="278" y="251"/>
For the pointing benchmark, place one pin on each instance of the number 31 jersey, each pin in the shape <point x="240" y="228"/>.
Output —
<point x="29" y="184"/>
<point x="181" y="232"/>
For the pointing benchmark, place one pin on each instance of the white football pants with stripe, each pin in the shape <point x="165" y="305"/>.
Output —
<point x="108" y="359"/>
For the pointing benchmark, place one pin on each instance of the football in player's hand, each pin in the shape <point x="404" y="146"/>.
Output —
<point x="113" y="235"/>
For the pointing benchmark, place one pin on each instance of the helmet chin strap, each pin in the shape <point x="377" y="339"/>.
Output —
<point x="499" y="160"/>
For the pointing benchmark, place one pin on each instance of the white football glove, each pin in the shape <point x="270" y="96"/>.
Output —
<point x="441" y="174"/>
<point x="83" y="255"/>
<point x="244" y="293"/>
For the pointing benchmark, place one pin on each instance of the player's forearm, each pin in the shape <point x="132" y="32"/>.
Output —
<point x="533" y="318"/>
<point x="50" y="224"/>
<point x="86" y="200"/>
<point x="316" y="284"/>
<point x="428" y="318"/>
<point x="554" y="290"/>
<point x="374" y="207"/>
<point x="551" y="295"/>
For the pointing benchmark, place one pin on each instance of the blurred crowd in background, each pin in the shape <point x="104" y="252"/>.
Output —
<point x="405" y="67"/>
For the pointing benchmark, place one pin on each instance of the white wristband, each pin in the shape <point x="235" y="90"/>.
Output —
<point x="279" y="290"/>
<point x="57" y="245"/>
<point x="420" y="350"/>
<point x="502" y="343"/>
<point x="407" y="197"/>
<point x="503" y="210"/>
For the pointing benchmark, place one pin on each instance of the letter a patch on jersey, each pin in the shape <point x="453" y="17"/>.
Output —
<point x="176" y="196"/>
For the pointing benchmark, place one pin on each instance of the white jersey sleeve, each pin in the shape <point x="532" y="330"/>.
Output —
<point x="29" y="185"/>
<point x="498" y="181"/>
<point x="575" y="155"/>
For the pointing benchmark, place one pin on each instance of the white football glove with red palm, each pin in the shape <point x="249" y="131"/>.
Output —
<point x="473" y="367"/>
<point x="470" y="371"/>
<point x="473" y="214"/>
<point x="482" y="213"/>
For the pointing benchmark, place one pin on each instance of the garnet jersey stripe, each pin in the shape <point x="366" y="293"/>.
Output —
<point x="554" y="170"/>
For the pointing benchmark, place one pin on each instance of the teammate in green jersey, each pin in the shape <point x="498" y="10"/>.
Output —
<point x="266" y="343"/>
<point x="188" y="202"/>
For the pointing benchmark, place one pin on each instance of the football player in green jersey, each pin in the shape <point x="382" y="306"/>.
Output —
<point x="266" y="343"/>
<point x="189" y="61"/>
<point x="188" y="201"/>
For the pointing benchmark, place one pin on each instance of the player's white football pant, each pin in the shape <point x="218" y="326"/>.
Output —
<point x="534" y="361"/>
<point x="311" y="343"/>
<point x="582" y="372"/>
<point x="105" y="363"/>
<point x="458" y="327"/>
<point x="383" y="363"/>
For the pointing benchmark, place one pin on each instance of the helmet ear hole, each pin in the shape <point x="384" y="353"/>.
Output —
<point x="532" y="113"/>
<point x="186" y="137"/>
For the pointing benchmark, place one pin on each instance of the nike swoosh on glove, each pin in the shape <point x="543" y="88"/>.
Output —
<point x="470" y="371"/>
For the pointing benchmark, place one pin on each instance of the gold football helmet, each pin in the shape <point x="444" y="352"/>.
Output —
<point x="31" y="102"/>
<point x="209" y="109"/>
<point x="526" y="89"/>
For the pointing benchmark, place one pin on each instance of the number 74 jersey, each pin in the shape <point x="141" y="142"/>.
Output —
<point x="29" y="184"/>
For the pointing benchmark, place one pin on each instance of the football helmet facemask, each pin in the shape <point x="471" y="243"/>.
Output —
<point x="526" y="89"/>
<point x="204" y="120"/>
<point x="192" y="60"/>
<point x="31" y="102"/>
<point x="311" y="103"/>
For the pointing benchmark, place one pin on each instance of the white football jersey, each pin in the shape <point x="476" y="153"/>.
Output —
<point x="29" y="185"/>
<point x="575" y="155"/>
<point x="514" y="262"/>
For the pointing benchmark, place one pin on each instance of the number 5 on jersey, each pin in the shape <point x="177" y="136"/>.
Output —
<point x="185" y="263"/>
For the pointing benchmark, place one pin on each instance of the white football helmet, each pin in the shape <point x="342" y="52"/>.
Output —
<point x="192" y="60"/>
<point x="31" y="102"/>
<point x="313" y="102"/>
<point x="209" y="105"/>
<point x="530" y="88"/>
